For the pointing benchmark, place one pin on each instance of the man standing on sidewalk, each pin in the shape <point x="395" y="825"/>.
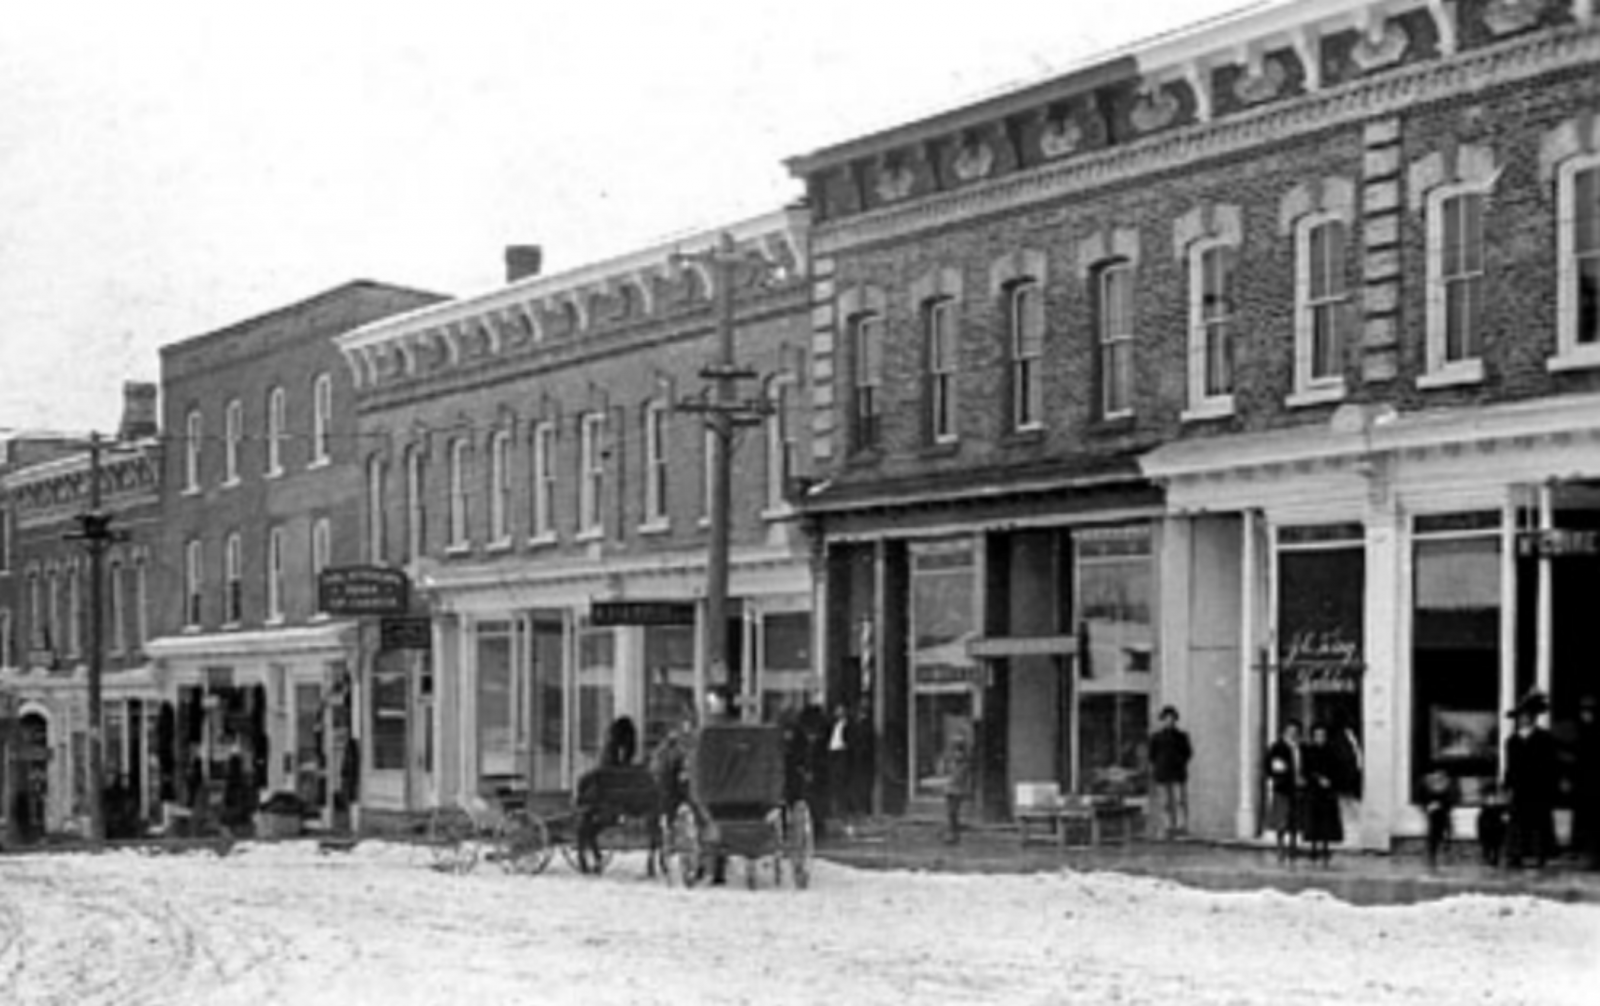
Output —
<point x="1170" y="753"/>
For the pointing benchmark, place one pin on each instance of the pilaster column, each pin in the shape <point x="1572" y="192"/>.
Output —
<point x="1383" y="790"/>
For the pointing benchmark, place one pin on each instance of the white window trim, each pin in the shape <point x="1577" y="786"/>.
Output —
<point x="416" y="511"/>
<point x="233" y="435"/>
<point x="1020" y="389"/>
<point x="277" y="418"/>
<point x="778" y="506"/>
<point x="656" y="517"/>
<point x="1438" y="373"/>
<point x="193" y="581"/>
<point x="1105" y="345"/>
<point x="377" y="511"/>
<point x="275" y="577"/>
<point x="1570" y="355"/>
<point x="591" y="484"/>
<point x="499" y="491"/>
<point x="141" y="598"/>
<point x="321" y="421"/>
<point x="193" y="430"/>
<point x="866" y="381"/>
<point x="1309" y="390"/>
<point x="934" y="308"/>
<point x="116" y="605"/>
<point x="460" y="540"/>
<point x="1201" y="405"/>
<point x="232" y="573"/>
<point x="544" y="484"/>
<point x="321" y="558"/>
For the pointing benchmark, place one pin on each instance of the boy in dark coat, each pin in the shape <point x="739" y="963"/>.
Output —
<point x="1320" y="769"/>
<point x="1438" y="800"/>
<point x="1170" y="752"/>
<point x="1283" y="781"/>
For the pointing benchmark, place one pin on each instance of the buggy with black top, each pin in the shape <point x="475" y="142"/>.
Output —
<point x="736" y="809"/>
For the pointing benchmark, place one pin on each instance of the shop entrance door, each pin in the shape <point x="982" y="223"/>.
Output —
<point x="305" y="742"/>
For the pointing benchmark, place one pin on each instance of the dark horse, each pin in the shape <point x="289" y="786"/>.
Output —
<point x="620" y="791"/>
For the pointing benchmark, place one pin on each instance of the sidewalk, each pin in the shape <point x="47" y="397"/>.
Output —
<point x="1360" y="878"/>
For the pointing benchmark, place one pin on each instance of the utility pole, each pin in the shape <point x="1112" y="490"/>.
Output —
<point x="724" y="413"/>
<point x="94" y="530"/>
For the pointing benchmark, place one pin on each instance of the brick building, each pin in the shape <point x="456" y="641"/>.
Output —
<point x="45" y="635"/>
<point x="526" y="457"/>
<point x="1253" y="371"/>
<point x="262" y="490"/>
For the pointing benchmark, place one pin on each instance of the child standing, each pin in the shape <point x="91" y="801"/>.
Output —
<point x="958" y="783"/>
<point x="1438" y="801"/>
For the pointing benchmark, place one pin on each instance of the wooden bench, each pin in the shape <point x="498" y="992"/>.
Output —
<point x="1043" y="813"/>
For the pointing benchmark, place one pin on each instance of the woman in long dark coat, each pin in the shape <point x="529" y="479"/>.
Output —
<point x="1321" y="766"/>
<point x="1283" y="781"/>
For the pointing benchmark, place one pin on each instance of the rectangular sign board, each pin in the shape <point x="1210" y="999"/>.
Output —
<point x="405" y="634"/>
<point x="1557" y="542"/>
<point x="606" y="613"/>
<point x="363" y="590"/>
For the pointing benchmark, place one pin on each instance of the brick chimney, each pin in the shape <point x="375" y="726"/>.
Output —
<point x="138" y="411"/>
<point x="523" y="261"/>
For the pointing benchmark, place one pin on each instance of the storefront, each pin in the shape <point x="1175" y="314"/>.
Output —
<point x="527" y="672"/>
<point x="1029" y="629"/>
<point x="250" y="713"/>
<point x="1400" y="579"/>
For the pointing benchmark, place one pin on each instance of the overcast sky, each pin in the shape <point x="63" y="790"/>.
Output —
<point x="167" y="168"/>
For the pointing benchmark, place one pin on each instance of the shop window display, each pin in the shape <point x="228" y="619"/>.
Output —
<point x="596" y="692"/>
<point x="944" y="594"/>
<point x="1115" y="584"/>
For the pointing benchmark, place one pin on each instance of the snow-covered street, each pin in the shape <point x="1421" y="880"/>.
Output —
<point x="285" y="924"/>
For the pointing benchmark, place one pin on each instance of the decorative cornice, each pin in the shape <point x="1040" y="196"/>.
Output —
<point x="1518" y="59"/>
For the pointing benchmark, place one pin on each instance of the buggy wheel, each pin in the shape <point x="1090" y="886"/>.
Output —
<point x="525" y="844"/>
<point x="683" y="848"/>
<point x="801" y="844"/>
<point x="450" y="841"/>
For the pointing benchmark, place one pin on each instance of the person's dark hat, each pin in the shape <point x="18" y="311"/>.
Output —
<point x="1168" y="711"/>
<point x="1534" y="703"/>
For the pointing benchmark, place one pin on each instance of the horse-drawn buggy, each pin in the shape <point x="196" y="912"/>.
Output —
<point x="736" y="807"/>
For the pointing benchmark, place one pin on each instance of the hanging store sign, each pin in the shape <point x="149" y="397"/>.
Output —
<point x="612" y="613"/>
<point x="363" y="590"/>
<point x="996" y="647"/>
<point x="1554" y="543"/>
<point x="405" y="634"/>
<point x="951" y="674"/>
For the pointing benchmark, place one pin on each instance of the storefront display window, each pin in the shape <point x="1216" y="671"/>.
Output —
<point x="669" y="688"/>
<point x="549" y="711"/>
<point x="497" y="754"/>
<point x="597" y="661"/>
<point x="1456" y="652"/>
<point x="1115" y="584"/>
<point x="388" y="707"/>
<point x="945" y="679"/>
<point x="1321" y="628"/>
<point x="786" y="677"/>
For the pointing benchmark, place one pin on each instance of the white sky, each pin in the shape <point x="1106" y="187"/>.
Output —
<point x="169" y="167"/>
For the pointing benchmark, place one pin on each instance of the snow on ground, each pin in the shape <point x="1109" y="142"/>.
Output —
<point x="285" y="924"/>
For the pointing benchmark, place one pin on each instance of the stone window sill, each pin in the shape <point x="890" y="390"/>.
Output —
<point x="1452" y="375"/>
<point x="1211" y="408"/>
<point x="1316" y="396"/>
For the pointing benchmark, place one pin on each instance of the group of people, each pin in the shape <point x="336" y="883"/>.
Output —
<point x="1307" y="778"/>
<point x="831" y="763"/>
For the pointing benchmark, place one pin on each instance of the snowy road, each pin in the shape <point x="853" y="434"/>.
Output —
<point x="283" y="924"/>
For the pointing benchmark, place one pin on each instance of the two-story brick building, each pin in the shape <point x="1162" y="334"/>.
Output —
<point x="527" y="456"/>
<point x="262" y="492"/>
<point x="1224" y="373"/>
<point x="45" y="622"/>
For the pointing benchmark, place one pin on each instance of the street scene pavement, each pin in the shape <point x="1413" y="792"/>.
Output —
<point x="287" y="923"/>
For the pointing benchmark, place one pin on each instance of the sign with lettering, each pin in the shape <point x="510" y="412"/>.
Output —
<point x="363" y="590"/>
<point x="1321" y="629"/>
<point x="952" y="674"/>
<point x="405" y="634"/>
<point x="611" y="613"/>
<point x="1556" y="542"/>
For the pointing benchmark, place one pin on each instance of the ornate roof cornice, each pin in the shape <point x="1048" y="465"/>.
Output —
<point x="1509" y="62"/>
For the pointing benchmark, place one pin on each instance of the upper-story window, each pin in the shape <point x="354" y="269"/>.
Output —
<point x="500" y="488"/>
<point x="1114" y="337"/>
<point x="36" y="626"/>
<point x="275" y="574"/>
<point x="1212" y="306"/>
<point x="1025" y="325"/>
<point x="7" y="647"/>
<point x="193" y="582"/>
<point x="655" y="465"/>
<point x="321" y="556"/>
<point x="233" y="573"/>
<point x="460" y="462"/>
<point x="1456" y="282"/>
<point x="191" y="451"/>
<point x="277" y="429"/>
<point x="591" y="473"/>
<point x="233" y="434"/>
<point x="321" y="419"/>
<point x="416" y="505"/>
<point x="781" y="446"/>
<point x="708" y="473"/>
<point x="544" y="480"/>
<point x="941" y="339"/>
<point x="74" y="610"/>
<point x="1322" y="295"/>
<point x="5" y="540"/>
<point x="52" y="590"/>
<point x="117" y="604"/>
<point x="1578" y="248"/>
<point x="866" y="343"/>
<point x="377" y="515"/>
<point x="141" y="601"/>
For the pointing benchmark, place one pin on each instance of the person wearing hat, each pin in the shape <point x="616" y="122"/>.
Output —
<point x="1531" y="779"/>
<point x="1586" y="783"/>
<point x="1170" y="752"/>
